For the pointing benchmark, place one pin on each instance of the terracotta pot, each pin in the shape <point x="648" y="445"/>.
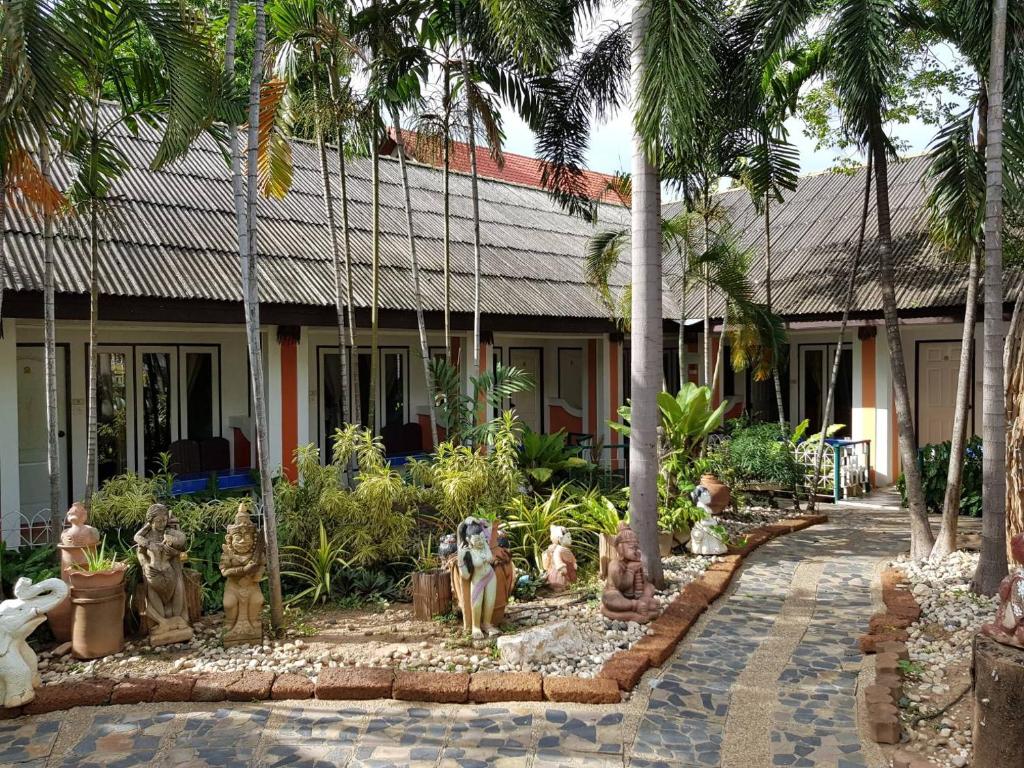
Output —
<point x="59" y="620"/>
<point x="98" y="628"/>
<point x="97" y="579"/>
<point x="666" y="539"/>
<point x="720" y="494"/>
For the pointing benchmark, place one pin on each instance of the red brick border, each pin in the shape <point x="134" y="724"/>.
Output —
<point x="620" y="673"/>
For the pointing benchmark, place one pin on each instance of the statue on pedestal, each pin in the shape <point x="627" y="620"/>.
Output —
<point x="704" y="539"/>
<point x="559" y="561"/>
<point x="161" y="545"/>
<point x="75" y="540"/>
<point x="19" y="666"/>
<point x="1008" y="628"/>
<point x="628" y="596"/>
<point x="241" y="563"/>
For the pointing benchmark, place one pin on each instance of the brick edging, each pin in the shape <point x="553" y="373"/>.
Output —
<point x="620" y="673"/>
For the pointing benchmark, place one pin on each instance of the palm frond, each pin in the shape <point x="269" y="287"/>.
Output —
<point x="274" y="159"/>
<point x="956" y="204"/>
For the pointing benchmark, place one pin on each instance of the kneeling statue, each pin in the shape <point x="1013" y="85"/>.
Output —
<point x="628" y="596"/>
<point x="704" y="540"/>
<point x="1008" y="628"/>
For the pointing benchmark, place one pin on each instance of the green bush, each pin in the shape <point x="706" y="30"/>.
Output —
<point x="934" y="463"/>
<point x="757" y="455"/>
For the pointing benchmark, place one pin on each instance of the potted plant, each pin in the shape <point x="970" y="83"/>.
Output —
<point x="97" y="599"/>
<point x="431" y="583"/>
<point x="603" y="517"/>
<point x="715" y="471"/>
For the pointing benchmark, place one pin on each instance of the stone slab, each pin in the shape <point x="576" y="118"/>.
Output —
<point x="80" y="693"/>
<point x="485" y="687"/>
<point x="355" y="683"/>
<point x="252" y="686"/>
<point x="434" y="687"/>
<point x="133" y="691"/>
<point x="579" y="690"/>
<point x="291" y="686"/>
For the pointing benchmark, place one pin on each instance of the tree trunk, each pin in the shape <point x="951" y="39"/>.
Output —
<point x="998" y="676"/>
<point x="851" y="289"/>
<point x="332" y="225"/>
<point x="246" y="215"/>
<point x="50" y="358"/>
<point x="992" y="563"/>
<point x="91" y="417"/>
<point x="475" y="194"/>
<point x="3" y="240"/>
<point x="921" y="537"/>
<point x="375" y="284"/>
<point x="646" y="334"/>
<point x="707" y="328"/>
<point x="415" y="266"/>
<point x="945" y="542"/>
<point x="768" y="301"/>
<point x="721" y="351"/>
<point x="681" y="341"/>
<point x="1013" y="365"/>
<point x="446" y="183"/>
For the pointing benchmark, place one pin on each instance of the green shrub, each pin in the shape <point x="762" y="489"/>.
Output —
<point x="529" y="524"/>
<point x="36" y="563"/>
<point x="758" y="455"/>
<point x="934" y="463"/>
<point x="548" y="460"/>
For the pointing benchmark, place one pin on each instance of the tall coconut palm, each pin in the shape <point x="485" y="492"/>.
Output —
<point x="50" y="353"/>
<point x="246" y="200"/>
<point x="992" y="563"/>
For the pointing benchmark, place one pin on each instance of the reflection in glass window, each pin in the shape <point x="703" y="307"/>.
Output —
<point x="364" y="387"/>
<point x="111" y="415"/>
<point x="394" y="389"/>
<point x="334" y="406"/>
<point x="156" y="407"/>
<point x="199" y="394"/>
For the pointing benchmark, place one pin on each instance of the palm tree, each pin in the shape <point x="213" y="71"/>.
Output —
<point x="246" y="200"/>
<point x="165" y="76"/>
<point x="992" y="563"/>
<point x="50" y="353"/>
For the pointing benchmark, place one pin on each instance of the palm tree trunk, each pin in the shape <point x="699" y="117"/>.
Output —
<point x="375" y="282"/>
<point x="3" y="238"/>
<point x="415" y="265"/>
<point x="681" y="341"/>
<point x="446" y="184"/>
<point x="992" y="563"/>
<point x="851" y="289"/>
<point x="353" y="407"/>
<point x="768" y="301"/>
<point x="91" y="421"/>
<point x="246" y="215"/>
<point x="921" y="538"/>
<point x="721" y="351"/>
<point x="646" y="333"/>
<point x="1013" y="365"/>
<point x="50" y="358"/>
<point x="945" y="542"/>
<point x="332" y="225"/>
<point x="707" y="298"/>
<point x="475" y="194"/>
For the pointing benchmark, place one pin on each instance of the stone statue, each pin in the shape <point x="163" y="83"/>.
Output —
<point x="241" y="563"/>
<point x="160" y="547"/>
<point x="559" y="561"/>
<point x="475" y="567"/>
<point x="75" y="541"/>
<point x="18" y="618"/>
<point x="628" y="596"/>
<point x="1008" y="628"/>
<point x="703" y="538"/>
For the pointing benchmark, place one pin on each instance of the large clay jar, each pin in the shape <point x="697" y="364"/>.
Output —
<point x="98" y="603"/>
<point x="720" y="494"/>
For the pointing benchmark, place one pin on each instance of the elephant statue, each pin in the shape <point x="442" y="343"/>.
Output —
<point x="18" y="618"/>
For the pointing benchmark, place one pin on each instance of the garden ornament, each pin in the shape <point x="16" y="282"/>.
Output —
<point x="559" y="561"/>
<point x="1008" y="628"/>
<point x="628" y="596"/>
<point x="19" y="671"/>
<point x="241" y="564"/>
<point x="475" y="564"/>
<point x="160" y="548"/>
<point x="75" y="541"/>
<point x="447" y="547"/>
<point x="703" y="538"/>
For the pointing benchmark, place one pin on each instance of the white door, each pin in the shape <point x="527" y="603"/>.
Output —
<point x="528" y="405"/>
<point x="32" y="470"/>
<point x="936" y="390"/>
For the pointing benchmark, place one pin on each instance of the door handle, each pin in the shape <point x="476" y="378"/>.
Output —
<point x="60" y="433"/>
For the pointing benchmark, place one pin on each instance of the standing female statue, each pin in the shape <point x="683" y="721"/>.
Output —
<point x="160" y="547"/>
<point x="475" y="565"/>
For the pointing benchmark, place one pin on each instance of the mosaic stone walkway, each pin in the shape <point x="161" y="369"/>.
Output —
<point x="767" y="678"/>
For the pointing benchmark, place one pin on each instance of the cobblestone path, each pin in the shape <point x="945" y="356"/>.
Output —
<point x="767" y="678"/>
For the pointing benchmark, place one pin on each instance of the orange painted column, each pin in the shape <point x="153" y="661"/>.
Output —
<point x="289" y="407"/>
<point x="867" y="398"/>
<point x="614" y="350"/>
<point x="592" y="425"/>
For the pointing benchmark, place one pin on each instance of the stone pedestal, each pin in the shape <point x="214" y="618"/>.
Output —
<point x="998" y="674"/>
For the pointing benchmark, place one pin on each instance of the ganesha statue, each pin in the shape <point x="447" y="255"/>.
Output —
<point x="559" y="561"/>
<point x="19" y="666"/>
<point x="1008" y="628"/>
<point x="628" y="595"/>
<point x="242" y="563"/>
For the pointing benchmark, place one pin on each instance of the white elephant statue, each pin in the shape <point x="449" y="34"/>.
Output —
<point x="18" y="618"/>
<point x="703" y="539"/>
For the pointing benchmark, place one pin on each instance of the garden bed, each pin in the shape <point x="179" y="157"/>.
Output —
<point x="298" y="667"/>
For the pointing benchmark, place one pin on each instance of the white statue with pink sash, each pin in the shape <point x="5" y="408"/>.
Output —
<point x="475" y="561"/>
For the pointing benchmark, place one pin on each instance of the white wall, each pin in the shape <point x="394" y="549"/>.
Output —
<point x="10" y="498"/>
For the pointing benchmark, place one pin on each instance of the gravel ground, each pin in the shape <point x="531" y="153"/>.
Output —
<point x="940" y="654"/>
